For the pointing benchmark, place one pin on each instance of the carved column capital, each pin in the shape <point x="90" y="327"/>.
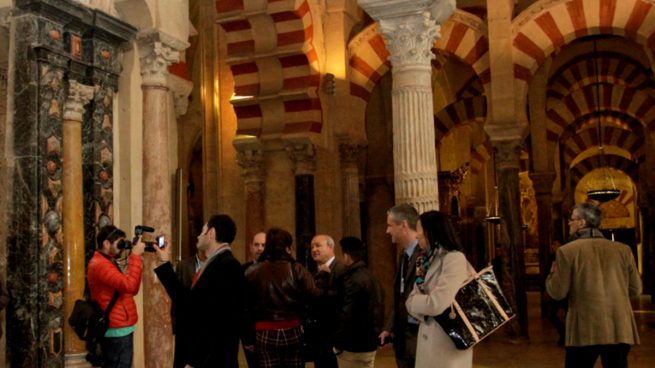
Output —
<point x="507" y="154"/>
<point x="542" y="182"/>
<point x="303" y="155"/>
<point x="409" y="27"/>
<point x="349" y="151"/>
<point x="251" y="160"/>
<point x="78" y="96"/>
<point x="181" y="89"/>
<point x="157" y="51"/>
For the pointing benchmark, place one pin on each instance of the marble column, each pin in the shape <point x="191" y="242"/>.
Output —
<point x="508" y="167"/>
<point x="410" y="28"/>
<point x="157" y="51"/>
<point x="303" y="155"/>
<point x="250" y="157"/>
<point x="73" y="215"/>
<point x="349" y="151"/>
<point x="543" y="188"/>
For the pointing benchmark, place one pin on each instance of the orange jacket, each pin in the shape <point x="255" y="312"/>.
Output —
<point x="105" y="278"/>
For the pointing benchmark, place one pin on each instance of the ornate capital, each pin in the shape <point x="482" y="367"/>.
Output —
<point x="78" y="96"/>
<point x="409" y="27"/>
<point x="251" y="161"/>
<point x="410" y="39"/>
<point x="543" y="182"/>
<point x="349" y="150"/>
<point x="303" y="155"/>
<point x="157" y="51"/>
<point x="507" y="154"/>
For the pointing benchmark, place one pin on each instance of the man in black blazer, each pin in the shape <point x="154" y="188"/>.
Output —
<point x="324" y="311"/>
<point x="401" y="226"/>
<point x="210" y="318"/>
<point x="256" y="249"/>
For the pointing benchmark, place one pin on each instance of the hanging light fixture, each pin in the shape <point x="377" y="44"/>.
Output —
<point x="493" y="215"/>
<point x="608" y="190"/>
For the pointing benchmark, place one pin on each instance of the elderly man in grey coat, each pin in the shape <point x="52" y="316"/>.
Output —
<point x="598" y="276"/>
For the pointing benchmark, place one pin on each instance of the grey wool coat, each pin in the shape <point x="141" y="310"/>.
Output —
<point x="435" y="349"/>
<point x="598" y="276"/>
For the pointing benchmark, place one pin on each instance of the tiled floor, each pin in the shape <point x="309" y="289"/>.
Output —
<point x="541" y="350"/>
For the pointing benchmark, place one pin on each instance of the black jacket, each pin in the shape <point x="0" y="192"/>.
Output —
<point x="210" y="316"/>
<point x="397" y="322"/>
<point x="362" y="311"/>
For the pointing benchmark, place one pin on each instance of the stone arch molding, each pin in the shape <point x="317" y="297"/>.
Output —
<point x="547" y="25"/>
<point x="136" y="12"/>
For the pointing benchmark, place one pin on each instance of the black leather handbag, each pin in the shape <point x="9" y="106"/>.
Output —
<point x="479" y="309"/>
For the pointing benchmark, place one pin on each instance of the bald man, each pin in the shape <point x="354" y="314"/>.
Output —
<point x="325" y="311"/>
<point x="247" y="338"/>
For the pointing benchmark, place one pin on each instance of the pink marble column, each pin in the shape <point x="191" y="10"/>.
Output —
<point x="73" y="216"/>
<point x="157" y="52"/>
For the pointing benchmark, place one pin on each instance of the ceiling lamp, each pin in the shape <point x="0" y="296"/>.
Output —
<point x="608" y="190"/>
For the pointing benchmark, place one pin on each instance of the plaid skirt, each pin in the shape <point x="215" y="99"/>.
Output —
<point x="279" y="348"/>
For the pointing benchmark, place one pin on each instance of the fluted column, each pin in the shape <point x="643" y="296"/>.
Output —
<point x="303" y="155"/>
<point x="349" y="151"/>
<point x="250" y="157"/>
<point x="410" y="28"/>
<point x="157" y="52"/>
<point x="543" y="187"/>
<point x="73" y="215"/>
<point x="507" y="160"/>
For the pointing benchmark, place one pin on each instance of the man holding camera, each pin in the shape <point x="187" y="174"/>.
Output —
<point x="105" y="279"/>
<point x="210" y="317"/>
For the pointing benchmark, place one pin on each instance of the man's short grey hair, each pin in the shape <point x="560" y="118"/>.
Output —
<point x="328" y="239"/>
<point x="404" y="212"/>
<point x="590" y="213"/>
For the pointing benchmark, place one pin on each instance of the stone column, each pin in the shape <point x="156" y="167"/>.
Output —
<point x="73" y="215"/>
<point x="508" y="167"/>
<point x="543" y="187"/>
<point x="303" y="155"/>
<point x="349" y="153"/>
<point x="410" y="28"/>
<point x="157" y="51"/>
<point x="250" y="157"/>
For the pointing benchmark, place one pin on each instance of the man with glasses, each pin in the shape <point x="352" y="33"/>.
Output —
<point x="105" y="279"/>
<point x="598" y="276"/>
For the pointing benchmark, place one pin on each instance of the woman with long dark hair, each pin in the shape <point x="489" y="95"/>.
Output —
<point x="441" y="271"/>
<point x="277" y="290"/>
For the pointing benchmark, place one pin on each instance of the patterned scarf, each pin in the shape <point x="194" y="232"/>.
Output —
<point x="423" y="262"/>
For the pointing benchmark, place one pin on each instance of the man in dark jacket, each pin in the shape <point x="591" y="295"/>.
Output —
<point x="362" y="309"/>
<point x="321" y="324"/>
<point x="209" y="320"/>
<point x="401" y="226"/>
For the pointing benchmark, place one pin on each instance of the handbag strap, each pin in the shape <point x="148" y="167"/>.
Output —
<point x="113" y="301"/>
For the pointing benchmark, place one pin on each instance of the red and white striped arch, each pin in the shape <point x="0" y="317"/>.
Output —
<point x="479" y="156"/>
<point x="612" y="136"/>
<point x="274" y="63"/>
<point x="614" y="68"/>
<point x="463" y="35"/>
<point x="547" y="25"/>
<point x="613" y="98"/>
<point x="466" y="110"/>
<point x="617" y="162"/>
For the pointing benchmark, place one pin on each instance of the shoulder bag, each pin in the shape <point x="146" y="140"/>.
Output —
<point x="479" y="309"/>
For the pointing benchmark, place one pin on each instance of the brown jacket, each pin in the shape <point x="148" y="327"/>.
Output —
<point x="598" y="276"/>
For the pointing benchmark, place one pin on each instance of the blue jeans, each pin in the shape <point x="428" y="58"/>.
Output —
<point x="117" y="351"/>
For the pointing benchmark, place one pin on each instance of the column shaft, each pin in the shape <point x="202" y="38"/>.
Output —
<point x="251" y="159"/>
<point x="157" y="212"/>
<point x="349" y="154"/>
<point x="507" y="156"/>
<point x="73" y="216"/>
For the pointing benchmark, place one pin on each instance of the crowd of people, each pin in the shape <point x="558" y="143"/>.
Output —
<point x="285" y="315"/>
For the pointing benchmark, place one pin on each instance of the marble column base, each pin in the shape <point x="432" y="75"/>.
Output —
<point x="76" y="360"/>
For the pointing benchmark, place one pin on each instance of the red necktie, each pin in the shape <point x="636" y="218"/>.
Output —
<point x="196" y="277"/>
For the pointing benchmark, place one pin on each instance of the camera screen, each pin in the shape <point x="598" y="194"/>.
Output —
<point x="161" y="241"/>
